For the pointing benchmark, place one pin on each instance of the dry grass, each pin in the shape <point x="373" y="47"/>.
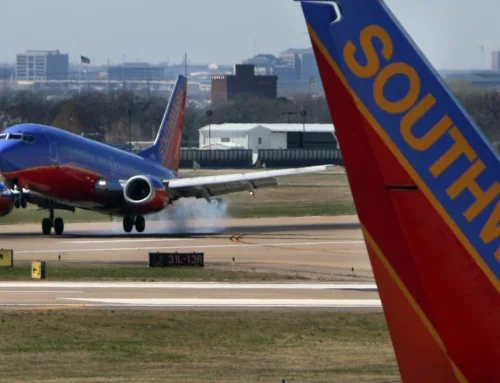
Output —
<point x="133" y="346"/>
<point x="326" y="193"/>
<point x="115" y="272"/>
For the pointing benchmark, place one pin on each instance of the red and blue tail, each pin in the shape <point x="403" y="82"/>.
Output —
<point x="167" y="146"/>
<point x="426" y="186"/>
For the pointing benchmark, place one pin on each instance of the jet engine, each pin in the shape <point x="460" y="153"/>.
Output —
<point x="6" y="200"/>
<point x="141" y="190"/>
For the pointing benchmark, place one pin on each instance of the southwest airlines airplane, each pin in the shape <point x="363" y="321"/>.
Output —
<point x="425" y="182"/>
<point x="57" y="170"/>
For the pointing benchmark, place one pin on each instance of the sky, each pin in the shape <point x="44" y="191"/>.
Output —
<point x="449" y="32"/>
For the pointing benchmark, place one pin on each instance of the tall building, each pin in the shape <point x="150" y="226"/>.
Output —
<point x="495" y="60"/>
<point x="244" y="83"/>
<point x="305" y="58"/>
<point x="136" y="72"/>
<point x="42" y="65"/>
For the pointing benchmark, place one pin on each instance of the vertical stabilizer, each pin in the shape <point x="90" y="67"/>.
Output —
<point x="425" y="182"/>
<point x="167" y="146"/>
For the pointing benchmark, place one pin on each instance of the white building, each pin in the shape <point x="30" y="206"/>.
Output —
<point x="42" y="65"/>
<point x="268" y="136"/>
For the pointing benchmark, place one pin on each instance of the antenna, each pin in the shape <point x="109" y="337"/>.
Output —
<point x="186" y="64"/>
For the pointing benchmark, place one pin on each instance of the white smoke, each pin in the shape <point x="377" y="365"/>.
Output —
<point x="187" y="216"/>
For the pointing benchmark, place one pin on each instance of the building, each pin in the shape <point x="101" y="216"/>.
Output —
<point x="308" y="70"/>
<point x="42" y="65"/>
<point x="243" y="83"/>
<point x="485" y="78"/>
<point x="495" y="60"/>
<point x="136" y="72"/>
<point x="7" y="72"/>
<point x="268" y="136"/>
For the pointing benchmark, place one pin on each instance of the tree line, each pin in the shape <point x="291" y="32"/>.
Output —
<point x="125" y="115"/>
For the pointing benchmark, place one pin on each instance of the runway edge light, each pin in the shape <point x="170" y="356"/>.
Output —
<point x="6" y="258"/>
<point x="38" y="270"/>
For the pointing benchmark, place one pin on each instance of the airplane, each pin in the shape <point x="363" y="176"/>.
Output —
<point x="58" y="170"/>
<point x="425" y="183"/>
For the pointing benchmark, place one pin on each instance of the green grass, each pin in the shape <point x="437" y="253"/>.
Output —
<point x="104" y="272"/>
<point x="154" y="346"/>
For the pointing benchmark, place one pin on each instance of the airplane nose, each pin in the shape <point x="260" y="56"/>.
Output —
<point x="7" y="155"/>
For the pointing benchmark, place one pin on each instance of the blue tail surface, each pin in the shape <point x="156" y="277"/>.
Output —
<point x="167" y="146"/>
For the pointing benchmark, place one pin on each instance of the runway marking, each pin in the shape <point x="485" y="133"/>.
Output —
<point x="198" y="302"/>
<point x="239" y="245"/>
<point x="236" y="238"/>
<point x="39" y="292"/>
<point x="126" y="240"/>
<point x="189" y="285"/>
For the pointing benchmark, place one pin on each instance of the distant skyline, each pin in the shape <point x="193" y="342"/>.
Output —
<point x="449" y="32"/>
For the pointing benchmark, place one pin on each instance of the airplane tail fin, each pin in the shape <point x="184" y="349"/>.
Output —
<point x="425" y="183"/>
<point x="167" y="146"/>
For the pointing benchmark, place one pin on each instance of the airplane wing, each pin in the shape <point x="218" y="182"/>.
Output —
<point x="210" y="186"/>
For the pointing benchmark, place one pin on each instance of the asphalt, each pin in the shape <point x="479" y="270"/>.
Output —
<point x="327" y="248"/>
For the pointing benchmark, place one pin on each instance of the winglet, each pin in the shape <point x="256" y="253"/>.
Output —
<point x="425" y="183"/>
<point x="167" y="146"/>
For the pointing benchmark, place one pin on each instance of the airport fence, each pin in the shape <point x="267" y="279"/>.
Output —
<point x="270" y="158"/>
<point x="290" y="158"/>
<point x="216" y="159"/>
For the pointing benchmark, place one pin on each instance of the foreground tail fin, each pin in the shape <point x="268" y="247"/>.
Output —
<point x="426" y="187"/>
<point x="167" y="146"/>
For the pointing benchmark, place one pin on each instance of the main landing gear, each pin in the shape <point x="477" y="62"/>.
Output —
<point x="49" y="223"/>
<point x="129" y="222"/>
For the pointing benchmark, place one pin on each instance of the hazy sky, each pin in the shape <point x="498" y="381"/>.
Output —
<point x="450" y="32"/>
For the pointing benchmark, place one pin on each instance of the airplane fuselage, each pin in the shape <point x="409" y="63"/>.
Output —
<point x="65" y="167"/>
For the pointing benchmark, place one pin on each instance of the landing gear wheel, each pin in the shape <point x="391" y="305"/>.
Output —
<point x="17" y="203"/>
<point x="23" y="202"/>
<point x="140" y="224"/>
<point x="58" y="226"/>
<point x="128" y="224"/>
<point x="46" y="226"/>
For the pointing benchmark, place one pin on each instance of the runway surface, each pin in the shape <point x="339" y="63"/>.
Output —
<point x="320" y="247"/>
<point x="29" y="295"/>
<point x="316" y="245"/>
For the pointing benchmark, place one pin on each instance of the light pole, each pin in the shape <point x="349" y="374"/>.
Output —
<point x="303" y="113"/>
<point x="130" y="129"/>
<point x="209" y="114"/>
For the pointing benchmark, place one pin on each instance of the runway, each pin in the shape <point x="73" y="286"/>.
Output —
<point x="321" y="248"/>
<point x="60" y="295"/>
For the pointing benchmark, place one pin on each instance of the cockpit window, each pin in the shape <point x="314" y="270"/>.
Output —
<point x="28" y="138"/>
<point x="17" y="136"/>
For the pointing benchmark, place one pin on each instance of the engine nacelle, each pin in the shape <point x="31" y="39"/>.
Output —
<point x="6" y="200"/>
<point x="141" y="190"/>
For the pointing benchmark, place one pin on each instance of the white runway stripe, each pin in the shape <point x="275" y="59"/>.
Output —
<point x="41" y="291"/>
<point x="188" y="285"/>
<point x="128" y="240"/>
<point x="195" y="302"/>
<point x="238" y="245"/>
